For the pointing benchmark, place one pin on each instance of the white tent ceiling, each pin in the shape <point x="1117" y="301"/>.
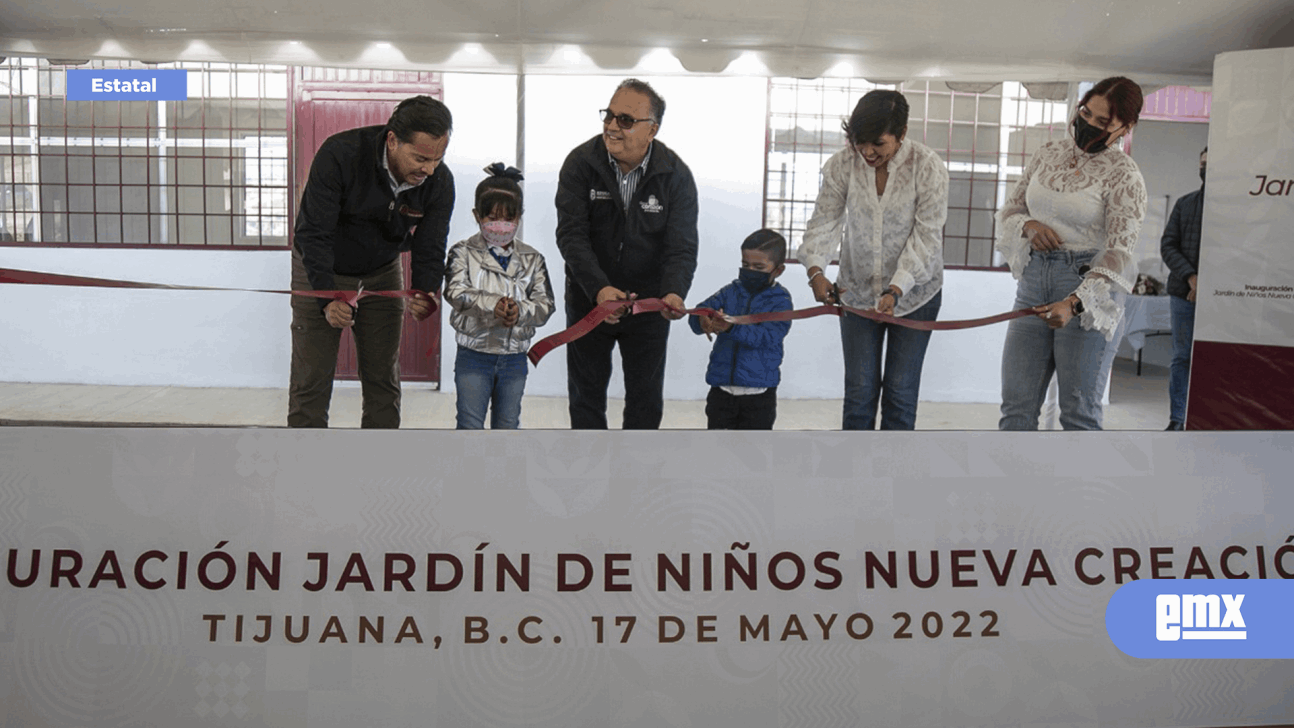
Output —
<point x="1154" y="41"/>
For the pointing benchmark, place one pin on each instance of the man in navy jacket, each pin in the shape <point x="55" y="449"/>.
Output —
<point x="373" y="193"/>
<point x="626" y="227"/>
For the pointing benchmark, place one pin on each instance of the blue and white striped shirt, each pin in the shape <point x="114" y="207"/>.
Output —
<point x="628" y="181"/>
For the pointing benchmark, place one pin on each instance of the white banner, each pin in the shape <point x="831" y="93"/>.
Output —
<point x="1243" y="357"/>
<point x="1246" y="293"/>
<point x="175" y="577"/>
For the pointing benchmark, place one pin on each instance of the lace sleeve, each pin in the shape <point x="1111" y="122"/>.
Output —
<point x="1125" y="208"/>
<point x="822" y="234"/>
<point x="1011" y="242"/>
<point x="1100" y="310"/>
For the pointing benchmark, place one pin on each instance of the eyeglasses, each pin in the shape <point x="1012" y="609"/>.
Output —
<point x="624" y="121"/>
<point x="1087" y="115"/>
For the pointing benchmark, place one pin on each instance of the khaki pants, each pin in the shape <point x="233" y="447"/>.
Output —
<point x="378" y="322"/>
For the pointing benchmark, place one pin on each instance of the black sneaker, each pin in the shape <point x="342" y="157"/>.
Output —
<point x="1174" y="426"/>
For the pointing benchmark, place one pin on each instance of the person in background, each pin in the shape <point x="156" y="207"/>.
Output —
<point x="745" y="363"/>
<point x="499" y="294"/>
<point x="1180" y="248"/>
<point x="626" y="227"/>
<point x="372" y="193"/>
<point x="882" y="207"/>
<point x="1067" y="232"/>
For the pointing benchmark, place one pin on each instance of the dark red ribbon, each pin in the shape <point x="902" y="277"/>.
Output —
<point x="547" y="344"/>
<point x="648" y="305"/>
<point x="352" y="298"/>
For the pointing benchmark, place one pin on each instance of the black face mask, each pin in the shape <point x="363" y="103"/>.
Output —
<point x="1089" y="138"/>
<point x="753" y="281"/>
<point x="1202" y="168"/>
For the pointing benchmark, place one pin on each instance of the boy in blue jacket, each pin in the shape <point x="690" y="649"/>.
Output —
<point x="745" y="364"/>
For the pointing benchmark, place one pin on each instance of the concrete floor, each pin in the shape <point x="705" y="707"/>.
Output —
<point x="1136" y="403"/>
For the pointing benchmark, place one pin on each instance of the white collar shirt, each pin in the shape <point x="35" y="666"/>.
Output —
<point x="396" y="186"/>
<point x="891" y="239"/>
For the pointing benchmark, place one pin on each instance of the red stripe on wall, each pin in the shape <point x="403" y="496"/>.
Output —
<point x="1241" y="387"/>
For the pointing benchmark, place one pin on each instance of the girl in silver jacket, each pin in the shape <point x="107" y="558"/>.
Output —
<point x="499" y="293"/>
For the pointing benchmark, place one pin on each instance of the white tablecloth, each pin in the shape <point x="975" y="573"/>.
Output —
<point x="1144" y="314"/>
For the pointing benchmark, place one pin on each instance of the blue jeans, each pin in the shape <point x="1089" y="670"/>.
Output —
<point x="1179" y="371"/>
<point x="898" y="386"/>
<point x="493" y="381"/>
<point x="1034" y="351"/>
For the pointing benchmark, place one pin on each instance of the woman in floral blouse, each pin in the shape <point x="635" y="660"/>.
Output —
<point x="882" y="207"/>
<point x="1067" y="232"/>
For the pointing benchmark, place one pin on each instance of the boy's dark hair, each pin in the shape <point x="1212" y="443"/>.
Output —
<point x="500" y="188"/>
<point x="420" y="114"/>
<point x="644" y="88"/>
<point x="877" y="112"/>
<point x="768" y="242"/>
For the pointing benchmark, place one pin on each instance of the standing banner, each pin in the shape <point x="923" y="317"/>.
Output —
<point x="1242" y="367"/>
<point x="354" y="578"/>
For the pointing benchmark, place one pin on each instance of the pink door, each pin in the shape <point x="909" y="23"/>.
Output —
<point x="329" y="100"/>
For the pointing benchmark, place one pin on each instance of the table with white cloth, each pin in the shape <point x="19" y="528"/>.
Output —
<point x="1144" y="316"/>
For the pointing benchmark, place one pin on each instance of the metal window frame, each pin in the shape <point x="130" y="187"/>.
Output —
<point x="163" y="140"/>
<point x="780" y="206"/>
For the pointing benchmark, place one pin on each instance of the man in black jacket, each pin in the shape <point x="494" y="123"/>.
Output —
<point x="626" y="226"/>
<point x="373" y="192"/>
<point x="1180" y="249"/>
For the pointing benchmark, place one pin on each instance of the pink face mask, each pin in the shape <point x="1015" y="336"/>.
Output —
<point x="498" y="233"/>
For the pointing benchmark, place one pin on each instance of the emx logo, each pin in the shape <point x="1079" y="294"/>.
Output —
<point x="1199" y="617"/>
<point x="1202" y="618"/>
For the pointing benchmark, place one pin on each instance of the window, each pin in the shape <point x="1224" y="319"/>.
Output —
<point x="265" y="187"/>
<point x="985" y="136"/>
<point x="209" y="171"/>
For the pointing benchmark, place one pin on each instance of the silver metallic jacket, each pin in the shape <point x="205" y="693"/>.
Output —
<point x="474" y="284"/>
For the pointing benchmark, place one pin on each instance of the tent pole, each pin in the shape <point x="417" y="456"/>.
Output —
<point x="520" y="163"/>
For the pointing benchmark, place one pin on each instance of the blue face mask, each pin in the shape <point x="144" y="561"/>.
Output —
<point x="753" y="280"/>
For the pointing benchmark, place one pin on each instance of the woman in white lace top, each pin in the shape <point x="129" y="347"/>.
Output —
<point x="1067" y="232"/>
<point x="882" y="207"/>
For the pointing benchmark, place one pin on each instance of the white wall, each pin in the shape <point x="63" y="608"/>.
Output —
<point x="1168" y="154"/>
<point x="207" y="339"/>
<point x="142" y="337"/>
